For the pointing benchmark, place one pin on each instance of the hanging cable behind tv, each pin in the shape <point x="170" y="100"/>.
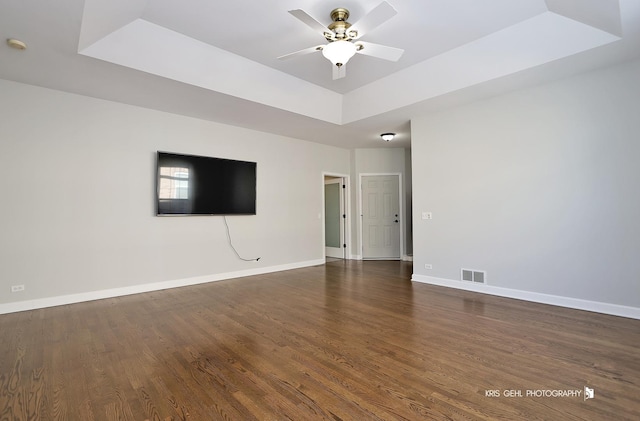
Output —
<point x="226" y="224"/>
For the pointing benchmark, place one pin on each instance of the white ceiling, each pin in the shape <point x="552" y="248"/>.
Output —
<point x="218" y="60"/>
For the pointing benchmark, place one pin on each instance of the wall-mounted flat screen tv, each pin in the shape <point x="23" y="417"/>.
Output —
<point x="200" y="185"/>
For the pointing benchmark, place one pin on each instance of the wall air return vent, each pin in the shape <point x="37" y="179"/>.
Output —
<point x="471" y="275"/>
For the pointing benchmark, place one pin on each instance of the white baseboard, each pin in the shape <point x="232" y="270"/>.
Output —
<point x="407" y="258"/>
<point x="556" y="300"/>
<point x="137" y="289"/>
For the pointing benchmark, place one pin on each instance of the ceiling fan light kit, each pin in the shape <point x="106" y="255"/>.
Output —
<point x="342" y="37"/>
<point x="339" y="52"/>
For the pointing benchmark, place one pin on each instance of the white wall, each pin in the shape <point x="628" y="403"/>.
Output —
<point x="77" y="211"/>
<point x="540" y="188"/>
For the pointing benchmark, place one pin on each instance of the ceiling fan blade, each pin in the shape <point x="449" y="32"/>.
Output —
<point x="339" y="72"/>
<point x="301" y="52"/>
<point x="379" y="51"/>
<point x="380" y="14"/>
<point x="309" y="21"/>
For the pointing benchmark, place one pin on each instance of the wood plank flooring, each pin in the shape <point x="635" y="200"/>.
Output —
<point x="343" y="341"/>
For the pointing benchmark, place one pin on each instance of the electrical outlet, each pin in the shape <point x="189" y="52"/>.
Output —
<point x="428" y="266"/>
<point x="17" y="288"/>
<point x="427" y="215"/>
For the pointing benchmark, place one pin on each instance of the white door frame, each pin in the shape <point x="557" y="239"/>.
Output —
<point x="347" y="210"/>
<point x="339" y="250"/>
<point x="400" y="207"/>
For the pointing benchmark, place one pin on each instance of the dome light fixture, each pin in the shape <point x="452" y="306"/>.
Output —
<point x="339" y="52"/>
<point x="387" y="136"/>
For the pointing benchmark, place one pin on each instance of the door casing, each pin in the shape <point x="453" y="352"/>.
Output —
<point x="347" y="212"/>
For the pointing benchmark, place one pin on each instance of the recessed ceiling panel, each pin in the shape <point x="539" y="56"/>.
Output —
<point x="217" y="60"/>
<point x="231" y="48"/>
<point x="264" y="30"/>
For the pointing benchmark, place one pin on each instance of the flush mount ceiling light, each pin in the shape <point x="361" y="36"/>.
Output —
<point x="17" y="44"/>
<point x="387" y="136"/>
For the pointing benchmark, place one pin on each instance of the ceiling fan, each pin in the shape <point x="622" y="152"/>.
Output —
<point x="344" y="38"/>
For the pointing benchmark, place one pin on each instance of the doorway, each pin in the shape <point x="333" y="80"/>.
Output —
<point x="381" y="216"/>
<point x="335" y="221"/>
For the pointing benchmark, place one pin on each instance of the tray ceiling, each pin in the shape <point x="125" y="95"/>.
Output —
<point x="205" y="54"/>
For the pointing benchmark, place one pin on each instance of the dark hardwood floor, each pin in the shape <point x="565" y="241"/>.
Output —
<point x="344" y="341"/>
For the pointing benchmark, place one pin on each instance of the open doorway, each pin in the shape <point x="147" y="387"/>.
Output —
<point x="336" y="216"/>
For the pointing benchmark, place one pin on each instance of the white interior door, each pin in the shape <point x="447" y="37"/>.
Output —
<point x="334" y="218"/>
<point x="381" y="217"/>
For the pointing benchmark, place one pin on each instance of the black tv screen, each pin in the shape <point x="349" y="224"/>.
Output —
<point x="199" y="185"/>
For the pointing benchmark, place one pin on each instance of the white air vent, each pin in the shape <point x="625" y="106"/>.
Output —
<point x="471" y="275"/>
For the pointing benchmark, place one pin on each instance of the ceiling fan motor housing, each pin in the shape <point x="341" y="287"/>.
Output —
<point x="339" y="25"/>
<point x="339" y="14"/>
